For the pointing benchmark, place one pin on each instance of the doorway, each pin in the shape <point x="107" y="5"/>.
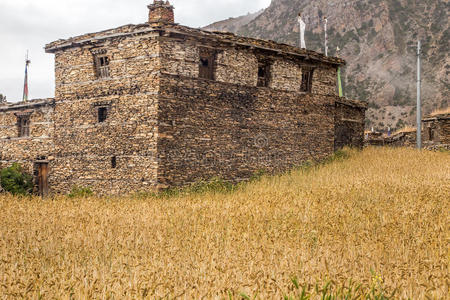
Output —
<point x="42" y="178"/>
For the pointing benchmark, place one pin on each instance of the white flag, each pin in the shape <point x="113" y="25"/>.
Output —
<point x="302" y="32"/>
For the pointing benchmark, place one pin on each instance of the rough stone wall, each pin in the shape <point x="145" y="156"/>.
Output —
<point x="161" y="12"/>
<point x="439" y="127"/>
<point x="403" y="139"/>
<point x="325" y="80"/>
<point x="38" y="145"/>
<point x="236" y="66"/>
<point x="85" y="147"/>
<point x="209" y="129"/>
<point x="349" y="123"/>
<point x="240" y="66"/>
<point x="286" y="75"/>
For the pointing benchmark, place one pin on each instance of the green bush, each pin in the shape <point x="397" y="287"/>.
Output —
<point x="80" y="192"/>
<point x="15" y="181"/>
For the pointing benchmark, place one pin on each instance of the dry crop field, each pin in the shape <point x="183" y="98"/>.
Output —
<point x="379" y="217"/>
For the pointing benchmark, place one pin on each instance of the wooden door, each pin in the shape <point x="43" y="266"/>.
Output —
<point x="43" y="179"/>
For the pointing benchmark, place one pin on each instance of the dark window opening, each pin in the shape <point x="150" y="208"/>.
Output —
<point x="263" y="74"/>
<point x="206" y="64"/>
<point x="430" y="134"/>
<point x="114" y="162"/>
<point x="307" y="77"/>
<point x="102" y="66"/>
<point x="23" y="123"/>
<point x="102" y="114"/>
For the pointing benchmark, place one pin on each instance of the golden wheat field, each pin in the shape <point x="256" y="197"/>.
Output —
<point x="379" y="217"/>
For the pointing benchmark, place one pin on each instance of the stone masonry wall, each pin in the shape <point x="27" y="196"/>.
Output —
<point x="86" y="148"/>
<point x="240" y="66"/>
<point x="439" y="128"/>
<point x="38" y="145"/>
<point x="349" y="123"/>
<point x="209" y="129"/>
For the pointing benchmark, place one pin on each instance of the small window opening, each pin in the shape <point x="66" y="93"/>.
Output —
<point x="23" y="123"/>
<point x="430" y="133"/>
<point x="102" y="66"/>
<point x="102" y="114"/>
<point x="307" y="76"/>
<point x="263" y="74"/>
<point x="206" y="64"/>
<point x="114" y="162"/>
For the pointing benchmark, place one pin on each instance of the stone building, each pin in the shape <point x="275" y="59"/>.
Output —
<point x="145" y="107"/>
<point x="435" y="134"/>
<point x="436" y="130"/>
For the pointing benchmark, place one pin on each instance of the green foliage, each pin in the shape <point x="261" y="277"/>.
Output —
<point x="330" y="290"/>
<point x="80" y="192"/>
<point x="15" y="181"/>
<point x="339" y="155"/>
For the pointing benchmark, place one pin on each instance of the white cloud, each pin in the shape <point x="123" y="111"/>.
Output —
<point x="30" y="24"/>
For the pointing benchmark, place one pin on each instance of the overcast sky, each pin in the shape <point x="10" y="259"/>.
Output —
<point x="30" y="24"/>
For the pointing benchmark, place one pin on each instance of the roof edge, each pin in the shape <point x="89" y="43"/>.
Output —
<point x="227" y="37"/>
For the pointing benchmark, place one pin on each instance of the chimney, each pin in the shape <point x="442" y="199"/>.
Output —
<point x="161" y="12"/>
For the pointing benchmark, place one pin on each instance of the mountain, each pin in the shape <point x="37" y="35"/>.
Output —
<point x="233" y="24"/>
<point x="378" y="38"/>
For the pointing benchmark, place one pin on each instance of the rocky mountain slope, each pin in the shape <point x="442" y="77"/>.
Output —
<point x="378" y="39"/>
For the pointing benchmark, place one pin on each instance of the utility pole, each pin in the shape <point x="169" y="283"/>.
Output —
<point x="419" y="105"/>
<point x="326" y="36"/>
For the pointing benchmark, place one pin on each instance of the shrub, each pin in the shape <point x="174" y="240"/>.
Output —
<point x="15" y="181"/>
<point x="80" y="192"/>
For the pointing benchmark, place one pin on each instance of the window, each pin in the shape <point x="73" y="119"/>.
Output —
<point x="263" y="74"/>
<point x="206" y="64"/>
<point x="102" y="114"/>
<point x="23" y="124"/>
<point x="307" y="76"/>
<point x="101" y="65"/>
<point x="114" y="162"/>
<point x="430" y="134"/>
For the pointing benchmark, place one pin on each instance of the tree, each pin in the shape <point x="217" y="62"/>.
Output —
<point x="2" y="98"/>
<point x="15" y="181"/>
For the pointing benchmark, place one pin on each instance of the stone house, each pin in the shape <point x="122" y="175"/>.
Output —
<point x="435" y="134"/>
<point x="149" y="106"/>
<point x="436" y="130"/>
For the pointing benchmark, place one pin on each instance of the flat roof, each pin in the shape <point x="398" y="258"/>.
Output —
<point x="225" y="37"/>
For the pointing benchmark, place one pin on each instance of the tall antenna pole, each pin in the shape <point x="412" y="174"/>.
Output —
<point x="419" y="105"/>
<point x="326" y="36"/>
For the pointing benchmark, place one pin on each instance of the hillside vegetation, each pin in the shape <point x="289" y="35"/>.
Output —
<point x="378" y="217"/>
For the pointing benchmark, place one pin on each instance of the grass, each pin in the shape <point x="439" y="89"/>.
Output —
<point x="365" y="225"/>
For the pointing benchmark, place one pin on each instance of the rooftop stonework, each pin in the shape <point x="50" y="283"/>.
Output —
<point x="161" y="12"/>
<point x="187" y="32"/>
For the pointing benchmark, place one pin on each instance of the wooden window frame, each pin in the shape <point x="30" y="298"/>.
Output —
<point x="23" y="125"/>
<point x="307" y="79"/>
<point x="101" y="63"/>
<point x="264" y="73"/>
<point x="206" y="64"/>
